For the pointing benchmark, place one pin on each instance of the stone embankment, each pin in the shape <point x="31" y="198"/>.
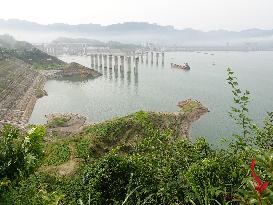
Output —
<point x="19" y="88"/>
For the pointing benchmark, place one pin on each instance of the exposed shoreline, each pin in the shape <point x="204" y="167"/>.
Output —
<point x="21" y="112"/>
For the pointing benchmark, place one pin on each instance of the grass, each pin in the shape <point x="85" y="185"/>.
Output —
<point x="189" y="106"/>
<point x="129" y="160"/>
<point x="57" y="153"/>
<point x="58" y="122"/>
<point x="53" y="66"/>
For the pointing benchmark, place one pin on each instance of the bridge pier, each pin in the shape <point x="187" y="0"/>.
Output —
<point x="122" y="61"/>
<point x="141" y="56"/>
<point x="116" y="62"/>
<point x="147" y="57"/>
<point x="134" y="55"/>
<point x="105" y="71"/>
<point x="163" y="58"/>
<point x="116" y="74"/>
<point x="110" y="61"/>
<point x="96" y="60"/>
<point x="53" y="51"/>
<point x="110" y="73"/>
<point x="152" y="57"/>
<point x="136" y="79"/>
<point x="84" y="49"/>
<point x="121" y="64"/>
<point x="157" y="57"/>
<point x="136" y="66"/>
<point x="129" y="63"/>
<point x="105" y="61"/>
<point x="100" y="60"/>
<point x="92" y="60"/>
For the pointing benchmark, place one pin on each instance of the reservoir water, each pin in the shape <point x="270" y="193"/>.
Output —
<point x="158" y="87"/>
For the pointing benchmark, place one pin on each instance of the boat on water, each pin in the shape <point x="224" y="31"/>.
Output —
<point x="184" y="66"/>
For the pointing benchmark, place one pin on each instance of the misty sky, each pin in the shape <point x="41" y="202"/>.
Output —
<point x="198" y="14"/>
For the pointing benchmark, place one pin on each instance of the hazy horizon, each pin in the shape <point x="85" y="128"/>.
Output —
<point x="155" y="23"/>
<point x="196" y="14"/>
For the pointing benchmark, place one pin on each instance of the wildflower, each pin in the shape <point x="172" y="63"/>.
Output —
<point x="259" y="186"/>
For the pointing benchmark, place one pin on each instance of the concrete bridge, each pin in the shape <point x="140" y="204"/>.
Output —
<point x="99" y="60"/>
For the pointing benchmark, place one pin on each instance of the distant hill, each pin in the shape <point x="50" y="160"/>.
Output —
<point x="7" y="41"/>
<point x="136" y="32"/>
<point x="26" y="52"/>
<point x="95" y="43"/>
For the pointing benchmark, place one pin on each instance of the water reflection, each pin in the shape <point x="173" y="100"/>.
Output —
<point x="118" y="72"/>
<point x="136" y="79"/>
<point x="116" y="75"/>
<point x="125" y="69"/>
<point x="128" y="78"/>
<point x="114" y="67"/>
<point x="98" y="68"/>
<point x="105" y="72"/>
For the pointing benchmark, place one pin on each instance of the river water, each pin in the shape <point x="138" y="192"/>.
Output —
<point x="158" y="87"/>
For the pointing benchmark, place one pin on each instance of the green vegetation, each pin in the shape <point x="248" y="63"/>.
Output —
<point x="58" y="122"/>
<point x="57" y="153"/>
<point x="7" y="41"/>
<point x="40" y="93"/>
<point x="19" y="153"/>
<point x="26" y="52"/>
<point x="130" y="160"/>
<point x="189" y="106"/>
<point x="47" y="66"/>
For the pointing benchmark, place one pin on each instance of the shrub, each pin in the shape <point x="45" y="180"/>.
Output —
<point x="20" y="153"/>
